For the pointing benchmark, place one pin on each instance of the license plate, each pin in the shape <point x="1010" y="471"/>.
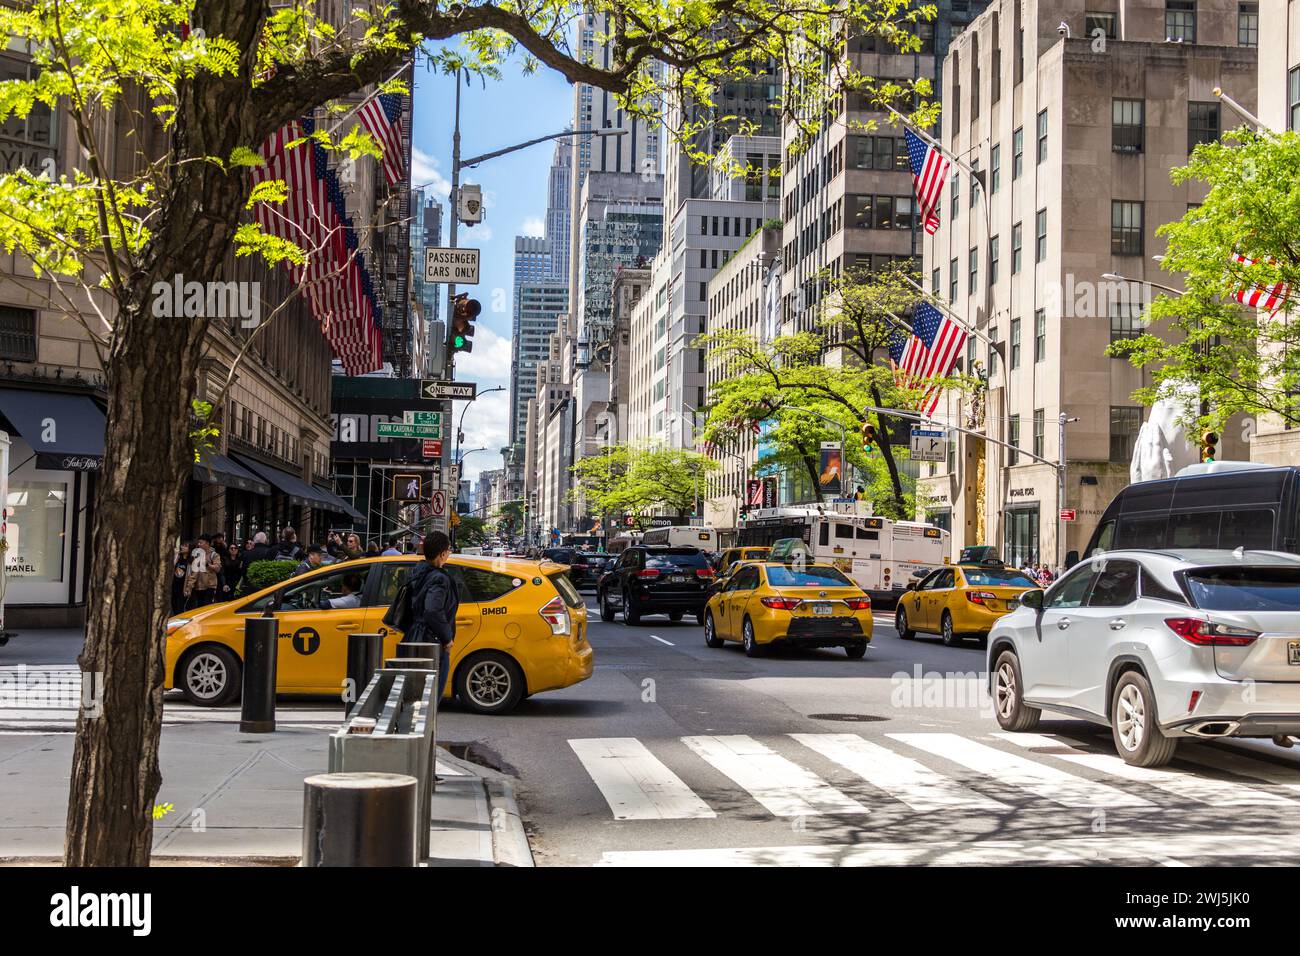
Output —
<point x="1293" y="652"/>
<point x="821" y="608"/>
<point x="677" y="578"/>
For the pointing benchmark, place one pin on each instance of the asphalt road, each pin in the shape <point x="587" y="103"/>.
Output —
<point x="674" y="753"/>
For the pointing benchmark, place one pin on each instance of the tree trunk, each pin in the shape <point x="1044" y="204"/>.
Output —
<point x="887" y="452"/>
<point x="148" y="456"/>
<point x="811" y="464"/>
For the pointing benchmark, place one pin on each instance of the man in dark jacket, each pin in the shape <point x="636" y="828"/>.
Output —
<point x="434" y="600"/>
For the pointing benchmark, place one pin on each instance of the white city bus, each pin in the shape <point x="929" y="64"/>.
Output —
<point x="879" y="554"/>
<point x="682" y="535"/>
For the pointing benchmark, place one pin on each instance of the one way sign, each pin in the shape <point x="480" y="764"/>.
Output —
<point x="929" y="444"/>
<point x="460" y="391"/>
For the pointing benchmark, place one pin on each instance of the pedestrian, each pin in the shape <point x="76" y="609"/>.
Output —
<point x="289" y="549"/>
<point x="232" y="565"/>
<point x="180" y="566"/>
<point x="261" y="550"/>
<point x="201" y="578"/>
<point x="353" y="549"/>
<point x="372" y="549"/>
<point x="392" y="548"/>
<point x="433" y="602"/>
<point x="315" y="556"/>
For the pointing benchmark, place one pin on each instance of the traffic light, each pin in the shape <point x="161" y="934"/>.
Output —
<point x="1209" y="441"/>
<point x="868" y="437"/>
<point x="464" y="311"/>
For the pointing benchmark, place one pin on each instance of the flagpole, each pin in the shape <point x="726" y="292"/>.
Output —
<point x="344" y="118"/>
<point x="960" y="164"/>
<point x="975" y="333"/>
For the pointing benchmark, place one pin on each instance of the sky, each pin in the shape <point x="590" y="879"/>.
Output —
<point x="492" y="116"/>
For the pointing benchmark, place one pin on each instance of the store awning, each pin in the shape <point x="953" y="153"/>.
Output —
<point x="215" y="469"/>
<point x="66" y="431"/>
<point x="298" y="491"/>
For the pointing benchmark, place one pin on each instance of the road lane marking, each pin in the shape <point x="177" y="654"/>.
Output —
<point x="635" y="784"/>
<point x="1010" y="769"/>
<point x="904" y="779"/>
<point x="780" y="785"/>
<point x="1219" y="793"/>
<point x="662" y="641"/>
<point x="1166" y="848"/>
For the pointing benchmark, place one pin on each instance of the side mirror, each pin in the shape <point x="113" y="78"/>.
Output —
<point x="1033" y="599"/>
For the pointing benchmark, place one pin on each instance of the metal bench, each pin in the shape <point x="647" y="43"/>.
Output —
<point x="403" y="704"/>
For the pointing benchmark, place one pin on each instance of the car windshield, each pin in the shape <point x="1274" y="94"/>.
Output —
<point x="995" y="577"/>
<point x="668" y="560"/>
<point x="1245" y="589"/>
<point x="780" y="576"/>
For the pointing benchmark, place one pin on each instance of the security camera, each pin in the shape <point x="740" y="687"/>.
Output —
<point x="1064" y="29"/>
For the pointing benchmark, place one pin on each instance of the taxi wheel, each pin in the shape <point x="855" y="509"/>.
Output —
<point x="900" y="621"/>
<point x="747" y="640"/>
<point x="950" y="638"/>
<point x="711" y="632"/>
<point x="856" y="652"/>
<point x="489" y="683"/>
<point x="630" y="614"/>
<point x="209" y="676"/>
<point x="606" y="612"/>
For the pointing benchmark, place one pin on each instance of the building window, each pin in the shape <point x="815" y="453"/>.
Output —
<point x="1293" y="98"/>
<point x="934" y="283"/>
<point x="17" y="334"/>
<point x="1248" y="24"/>
<point x="952" y="281"/>
<point x="1017" y="152"/>
<point x="973" y="264"/>
<point x="995" y="170"/>
<point x="955" y="185"/>
<point x="970" y="355"/>
<point x="1126" y="126"/>
<point x="993" y="261"/>
<point x="1014" y="357"/>
<point x="1180" y="21"/>
<point x="1125" y="228"/>
<point x="1040" y="427"/>
<point x="992" y="357"/>
<point x="1107" y="23"/>
<point x="1202" y="124"/>
<point x="1042" y="137"/>
<point x="1125" y="321"/>
<point x="1017" y="242"/>
<point x="1040" y="236"/>
<point x="974" y="183"/>
<point x="1040" y="335"/>
<point x="1013" y="438"/>
<point x="1125" y="420"/>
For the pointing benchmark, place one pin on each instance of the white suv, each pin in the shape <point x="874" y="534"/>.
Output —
<point x="1157" y="645"/>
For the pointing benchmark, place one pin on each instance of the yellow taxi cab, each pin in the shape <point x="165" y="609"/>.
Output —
<point x="961" y="601"/>
<point x="769" y="602"/>
<point x="732" y="555"/>
<point x="521" y="629"/>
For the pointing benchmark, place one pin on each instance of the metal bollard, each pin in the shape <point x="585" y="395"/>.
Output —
<point x="359" y="819"/>
<point x="257" y="705"/>
<point x="410" y="663"/>
<point x="365" y="656"/>
<point x="417" y="649"/>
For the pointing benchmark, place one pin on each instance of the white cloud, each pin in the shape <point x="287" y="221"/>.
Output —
<point x="487" y="425"/>
<point x="489" y="363"/>
<point x="533" y="226"/>
<point x="425" y="172"/>
<point x="481" y="232"/>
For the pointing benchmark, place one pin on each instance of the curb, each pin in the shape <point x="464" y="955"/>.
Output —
<point x="509" y="841"/>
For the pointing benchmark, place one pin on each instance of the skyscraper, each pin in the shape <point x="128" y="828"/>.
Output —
<point x="559" y="211"/>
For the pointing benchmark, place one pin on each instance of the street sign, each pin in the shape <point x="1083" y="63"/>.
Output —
<point x="1069" y="514"/>
<point x="438" y="504"/>
<point x="929" y="444"/>
<point x="408" y="487"/>
<point x="460" y="391"/>
<point x="432" y="448"/>
<point x="451" y="266"/>
<point x="423" y="418"/>
<point x="399" y="430"/>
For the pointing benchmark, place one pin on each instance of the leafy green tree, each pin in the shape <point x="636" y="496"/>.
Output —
<point x="472" y="532"/>
<point x="1243" y="361"/>
<point x="509" y="519"/>
<point x="624" y="480"/>
<point x="170" y="100"/>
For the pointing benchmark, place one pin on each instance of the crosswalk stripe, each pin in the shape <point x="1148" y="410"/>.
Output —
<point x="1014" y="770"/>
<point x="1168" y="848"/>
<point x="780" y="785"/>
<point x="905" y="779"/>
<point x="635" y="783"/>
<point x="1220" y="793"/>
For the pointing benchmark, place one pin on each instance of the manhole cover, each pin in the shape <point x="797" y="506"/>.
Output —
<point x="846" y="717"/>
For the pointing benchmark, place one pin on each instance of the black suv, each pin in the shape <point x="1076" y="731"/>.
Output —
<point x="655" y="580"/>
<point x="581" y="574"/>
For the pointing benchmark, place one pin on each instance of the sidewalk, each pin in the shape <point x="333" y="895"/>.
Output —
<point x="238" y="797"/>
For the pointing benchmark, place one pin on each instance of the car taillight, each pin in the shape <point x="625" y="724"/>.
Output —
<point x="556" y="613"/>
<point x="781" y="604"/>
<point x="648" y="573"/>
<point x="858" y="604"/>
<point x="1209" y="633"/>
<point x="704" y="572"/>
<point x="979" y="597"/>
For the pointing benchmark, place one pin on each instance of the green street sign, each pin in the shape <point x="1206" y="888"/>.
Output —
<point x="422" y="418"/>
<point x="399" y="430"/>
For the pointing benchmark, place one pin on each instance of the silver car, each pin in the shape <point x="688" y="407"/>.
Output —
<point x="1157" y="645"/>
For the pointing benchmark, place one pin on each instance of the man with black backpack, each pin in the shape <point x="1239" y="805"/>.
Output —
<point x="424" y="609"/>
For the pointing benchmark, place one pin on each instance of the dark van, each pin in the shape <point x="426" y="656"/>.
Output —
<point x="1230" y="504"/>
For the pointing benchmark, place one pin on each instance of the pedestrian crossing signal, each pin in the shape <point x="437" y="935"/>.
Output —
<point x="868" y="437"/>
<point x="464" y="311"/>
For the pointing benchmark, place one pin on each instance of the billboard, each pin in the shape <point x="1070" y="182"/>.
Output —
<point x="830" y="470"/>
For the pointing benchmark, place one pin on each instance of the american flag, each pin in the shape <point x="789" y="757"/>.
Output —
<point x="382" y="118"/>
<point x="929" y="173"/>
<point x="1270" y="298"/>
<point x="928" y="353"/>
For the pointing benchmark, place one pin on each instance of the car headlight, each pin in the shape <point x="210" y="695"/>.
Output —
<point x="176" y="623"/>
